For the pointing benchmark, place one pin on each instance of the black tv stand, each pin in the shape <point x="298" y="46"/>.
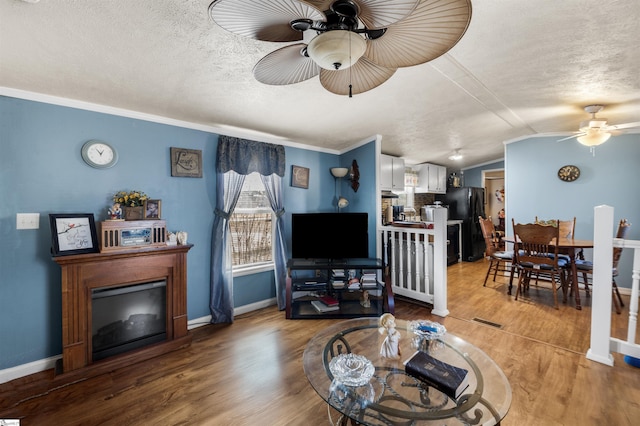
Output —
<point x="308" y="280"/>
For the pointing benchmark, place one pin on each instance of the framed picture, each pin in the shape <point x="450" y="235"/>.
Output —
<point x="73" y="233"/>
<point x="300" y="177"/>
<point x="186" y="162"/>
<point x="152" y="209"/>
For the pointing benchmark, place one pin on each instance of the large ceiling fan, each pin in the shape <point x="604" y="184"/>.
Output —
<point x="596" y="131"/>
<point x="354" y="45"/>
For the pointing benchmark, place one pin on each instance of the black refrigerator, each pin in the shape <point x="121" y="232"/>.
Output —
<point x="467" y="204"/>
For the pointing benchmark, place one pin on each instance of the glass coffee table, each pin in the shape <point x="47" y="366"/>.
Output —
<point x="393" y="397"/>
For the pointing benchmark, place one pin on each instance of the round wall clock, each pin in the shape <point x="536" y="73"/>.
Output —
<point x="99" y="154"/>
<point x="568" y="173"/>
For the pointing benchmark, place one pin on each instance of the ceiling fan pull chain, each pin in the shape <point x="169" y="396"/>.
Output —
<point x="350" y="86"/>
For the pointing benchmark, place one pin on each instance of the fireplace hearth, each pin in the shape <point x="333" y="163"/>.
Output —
<point x="122" y="307"/>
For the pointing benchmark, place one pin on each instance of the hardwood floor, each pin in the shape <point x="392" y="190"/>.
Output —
<point x="250" y="372"/>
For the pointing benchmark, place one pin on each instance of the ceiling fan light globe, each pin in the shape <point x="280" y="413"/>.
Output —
<point x="337" y="49"/>
<point x="343" y="202"/>
<point x="594" y="138"/>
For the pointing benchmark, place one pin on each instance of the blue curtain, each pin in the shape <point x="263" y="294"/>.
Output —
<point x="237" y="158"/>
<point x="273" y="185"/>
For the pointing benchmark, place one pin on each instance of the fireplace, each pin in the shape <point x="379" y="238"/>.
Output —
<point x="122" y="307"/>
<point x="127" y="318"/>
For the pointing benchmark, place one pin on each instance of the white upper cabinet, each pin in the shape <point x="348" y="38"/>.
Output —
<point x="432" y="178"/>
<point x="391" y="173"/>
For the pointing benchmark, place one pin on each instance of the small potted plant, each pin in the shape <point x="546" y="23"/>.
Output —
<point x="132" y="203"/>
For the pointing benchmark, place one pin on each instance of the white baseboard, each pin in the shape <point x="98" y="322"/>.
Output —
<point x="22" y="370"/>
<point x="254" y="306"/>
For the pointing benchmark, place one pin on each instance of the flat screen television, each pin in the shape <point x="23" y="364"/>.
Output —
<point x="331" y="236"/>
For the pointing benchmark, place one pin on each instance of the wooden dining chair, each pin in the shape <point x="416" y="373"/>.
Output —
<point x="499" y="259"/>
<point x="534" y="255"/>
<point x="585" y="267"/>
<point x="567" y="227"/>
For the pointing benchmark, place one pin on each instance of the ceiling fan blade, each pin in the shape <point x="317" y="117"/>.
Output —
<point x="571" y="137"/>
<point x="267" y="21"/>
<point x="363" y="75"/>
<point x="285" y="66"/>
<point x="429" y="32"/>
<point x="375" y="14"/>
<point x="624" y="126"/>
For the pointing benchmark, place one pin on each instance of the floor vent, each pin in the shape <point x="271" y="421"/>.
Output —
<point x="487" y="322"/>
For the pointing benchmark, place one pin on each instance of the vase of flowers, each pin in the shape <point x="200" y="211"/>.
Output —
<point x="132" y="203"/>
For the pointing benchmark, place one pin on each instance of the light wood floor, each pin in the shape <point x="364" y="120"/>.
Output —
<point x="250" y="372"/>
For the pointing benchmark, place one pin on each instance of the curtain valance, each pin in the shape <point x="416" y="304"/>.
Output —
<point x="246" y="156"/>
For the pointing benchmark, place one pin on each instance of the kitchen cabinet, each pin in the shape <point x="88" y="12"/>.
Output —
<point x="391" y="173"/>
<point x="432" y="178"/>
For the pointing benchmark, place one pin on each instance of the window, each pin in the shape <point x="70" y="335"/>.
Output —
<point x="251" y="225"/>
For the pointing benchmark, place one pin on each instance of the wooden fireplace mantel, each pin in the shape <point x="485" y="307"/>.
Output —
<point x="84" y="272"/>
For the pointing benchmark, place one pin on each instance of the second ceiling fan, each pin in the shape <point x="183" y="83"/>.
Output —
<point x="596" y="130"/>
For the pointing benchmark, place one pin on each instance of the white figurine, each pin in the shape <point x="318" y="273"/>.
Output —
<point x="391" y="346"/>
<point x="181" y="237"/>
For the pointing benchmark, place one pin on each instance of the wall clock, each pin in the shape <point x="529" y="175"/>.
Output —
<point x="568" y="173"/>
<point x="99" y="154"/>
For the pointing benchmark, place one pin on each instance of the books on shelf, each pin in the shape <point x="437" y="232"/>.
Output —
<point x="369" y="279"/>
<point x="338" y="284"/>
<point x="322" y="308"/>
<point x="354" y="284"/>
<point x="448" y="379"/>
<point x="328" y="300"/>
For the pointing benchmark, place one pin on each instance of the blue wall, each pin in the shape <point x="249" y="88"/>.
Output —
<point x="610" y="177"/>
<point x="473" y="176"/>
<point x="41" y="171"/>
<point x="365" y="198"/>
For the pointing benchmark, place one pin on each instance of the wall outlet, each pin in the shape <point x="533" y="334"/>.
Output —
<point x="27" y="220"/>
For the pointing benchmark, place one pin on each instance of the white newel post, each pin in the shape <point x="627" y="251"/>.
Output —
<point x="601" y="288"/>
<point x="440" y="263"/>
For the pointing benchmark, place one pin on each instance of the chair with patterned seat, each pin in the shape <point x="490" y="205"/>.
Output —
<point x="586" y="267"/>
<point x="535" y="255"/>
<point x="499" y="259"/>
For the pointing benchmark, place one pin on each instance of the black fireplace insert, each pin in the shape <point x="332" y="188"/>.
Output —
<point x="128" y="317"/>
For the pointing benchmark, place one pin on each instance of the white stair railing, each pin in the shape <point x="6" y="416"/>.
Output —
<point x="602" y="344"/>
<point x="417" y="261"/>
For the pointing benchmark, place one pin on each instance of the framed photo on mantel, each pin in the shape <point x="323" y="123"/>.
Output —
<point x="152" y="209"/>
<point x="73" y="233"/>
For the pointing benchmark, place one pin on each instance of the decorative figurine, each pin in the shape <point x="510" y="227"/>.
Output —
<point x="365" y="302"/>
<point x="115" y="212"/>
<point x="181" y="237"/>
<point x="391" y="346"/>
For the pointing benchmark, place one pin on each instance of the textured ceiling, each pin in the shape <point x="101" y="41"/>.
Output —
<point x="522" y="68"/>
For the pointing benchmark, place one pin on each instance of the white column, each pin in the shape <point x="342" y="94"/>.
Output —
<point x="601" y="289"/>
<point x="440" y="263"/>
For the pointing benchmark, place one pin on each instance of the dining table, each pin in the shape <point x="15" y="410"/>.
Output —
<point x="570" y="247"/>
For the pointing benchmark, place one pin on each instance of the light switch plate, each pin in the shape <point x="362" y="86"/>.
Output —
<point x="28" y="221"/>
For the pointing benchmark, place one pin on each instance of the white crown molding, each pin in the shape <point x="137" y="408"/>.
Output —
<point x="104" y="109"/>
